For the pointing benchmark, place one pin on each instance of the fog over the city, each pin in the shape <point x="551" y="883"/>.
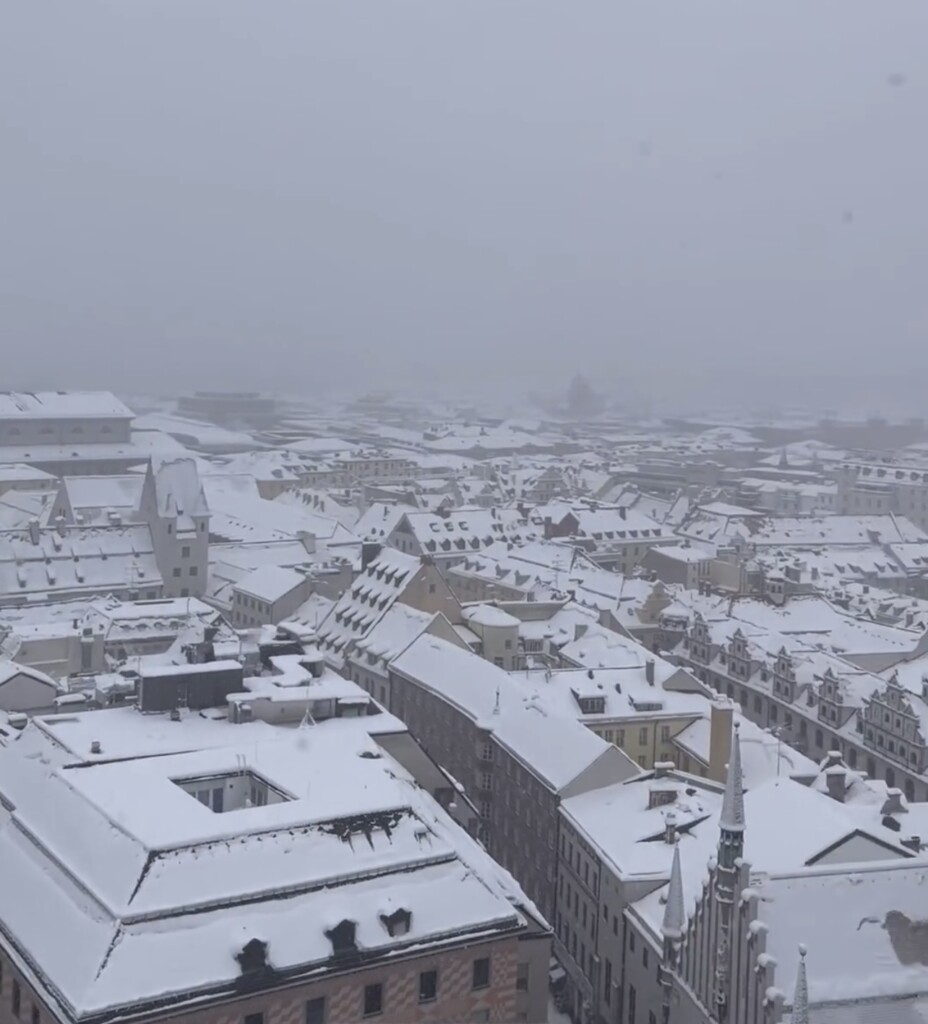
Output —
<point x="675" y="198"/>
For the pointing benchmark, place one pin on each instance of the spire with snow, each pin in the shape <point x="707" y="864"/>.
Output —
<point x="801" y="996"/>
<point x="674" y="914"/>
<point x="732" y="819"/>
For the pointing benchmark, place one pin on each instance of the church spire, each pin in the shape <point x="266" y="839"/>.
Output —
<point x="732" y="819"/>
<point x="674" y="914"/>
<point x="801" y="997"/>
<point x="731" y="848"/>
<point x="672" y="929"/>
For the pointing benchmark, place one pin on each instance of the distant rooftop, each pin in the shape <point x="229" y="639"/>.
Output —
<point x="62" y="405"/>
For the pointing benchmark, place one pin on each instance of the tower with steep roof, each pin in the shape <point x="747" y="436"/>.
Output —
<point x="730" y="851"/>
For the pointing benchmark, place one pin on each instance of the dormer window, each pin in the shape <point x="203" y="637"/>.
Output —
<point x="397" y="923"/>
<point x="253" y="964"/>
<point x="342" y="937"/>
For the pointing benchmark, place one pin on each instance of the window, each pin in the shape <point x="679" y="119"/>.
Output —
<point x="17" y="999"/>
<point x="819" y="739"/>
<point x="607" y="983"/>
<point x="185" y="551"/>
<point x="631" y="1004"/>
<point x="170" y="528"/>
<point x="651" y="1018"/>
<point x="644" y="957"/>
<point x="428" y="986"/>
<point x="373" y="1000"/>
<point x="315" y="1011"/>
<point x="254" y="1018"/>
<point x="176" y="573"/>
<point x="631" y="941"/>
<point x="481" y="977"/>
<point x="522" y="977"/>
<point x="642" y="736"/>
<point x="194" y="571"/>
<point x="665" y="733"/>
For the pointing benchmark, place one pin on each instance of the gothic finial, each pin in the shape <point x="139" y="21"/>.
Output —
<point x="732" y="819"/>
<point x="801" y="996"/>
<point x="674" y="913"/>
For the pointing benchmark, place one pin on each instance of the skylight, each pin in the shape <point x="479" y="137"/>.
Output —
<point x="232" y="791"/>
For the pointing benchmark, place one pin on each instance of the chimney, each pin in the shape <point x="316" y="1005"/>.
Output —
<point x="925" y="686"/>
<point x="34" y="531"/>
<point x="836" y="781"/>
<point x="913" y="843"/>
<point x="95" y="747"/>
<point x="114" y="518"/>
<point x="834" y="759"/>
<point x="649" y="671"/>
<point x="59" y="525"/>
<point x="893" y="803"/>
<point x="721" y="719"/>
<point x="670" y="828"/>
<point x="369" y="551"/>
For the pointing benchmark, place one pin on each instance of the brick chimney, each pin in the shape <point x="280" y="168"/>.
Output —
<point x="893" y="803"/>
<point x="836" y="781"/>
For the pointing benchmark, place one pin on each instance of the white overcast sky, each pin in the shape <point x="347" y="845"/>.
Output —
<point x="280" y="193"/>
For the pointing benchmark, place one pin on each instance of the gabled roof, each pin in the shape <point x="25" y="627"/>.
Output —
<point x="366" y="602"/>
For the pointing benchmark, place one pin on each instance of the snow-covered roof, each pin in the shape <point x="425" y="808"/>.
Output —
<point x="161" y="893"/>
<point x="555" y="748"/>
<point x="116" y="491"/>
<point x="143" y="444"/>
<point x="364" y="604"/>
<point x="17" y="472"/>
<point x="763" y="755"/>
<point x="864" y="929"/>
<point x="395" y="631"/>
<point x="489" y="615"/>
<point x="19" y="508"/>
<point x="270" y="582"/>
<point x="19" y="405"/>
<point x="466" y="530"/>
<point x="378" y="521"/>
<point x="178" y="489"/>
<point x="683" y="553"/>
<point x="79" y="558"/>
<point x="11" y="670"/>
